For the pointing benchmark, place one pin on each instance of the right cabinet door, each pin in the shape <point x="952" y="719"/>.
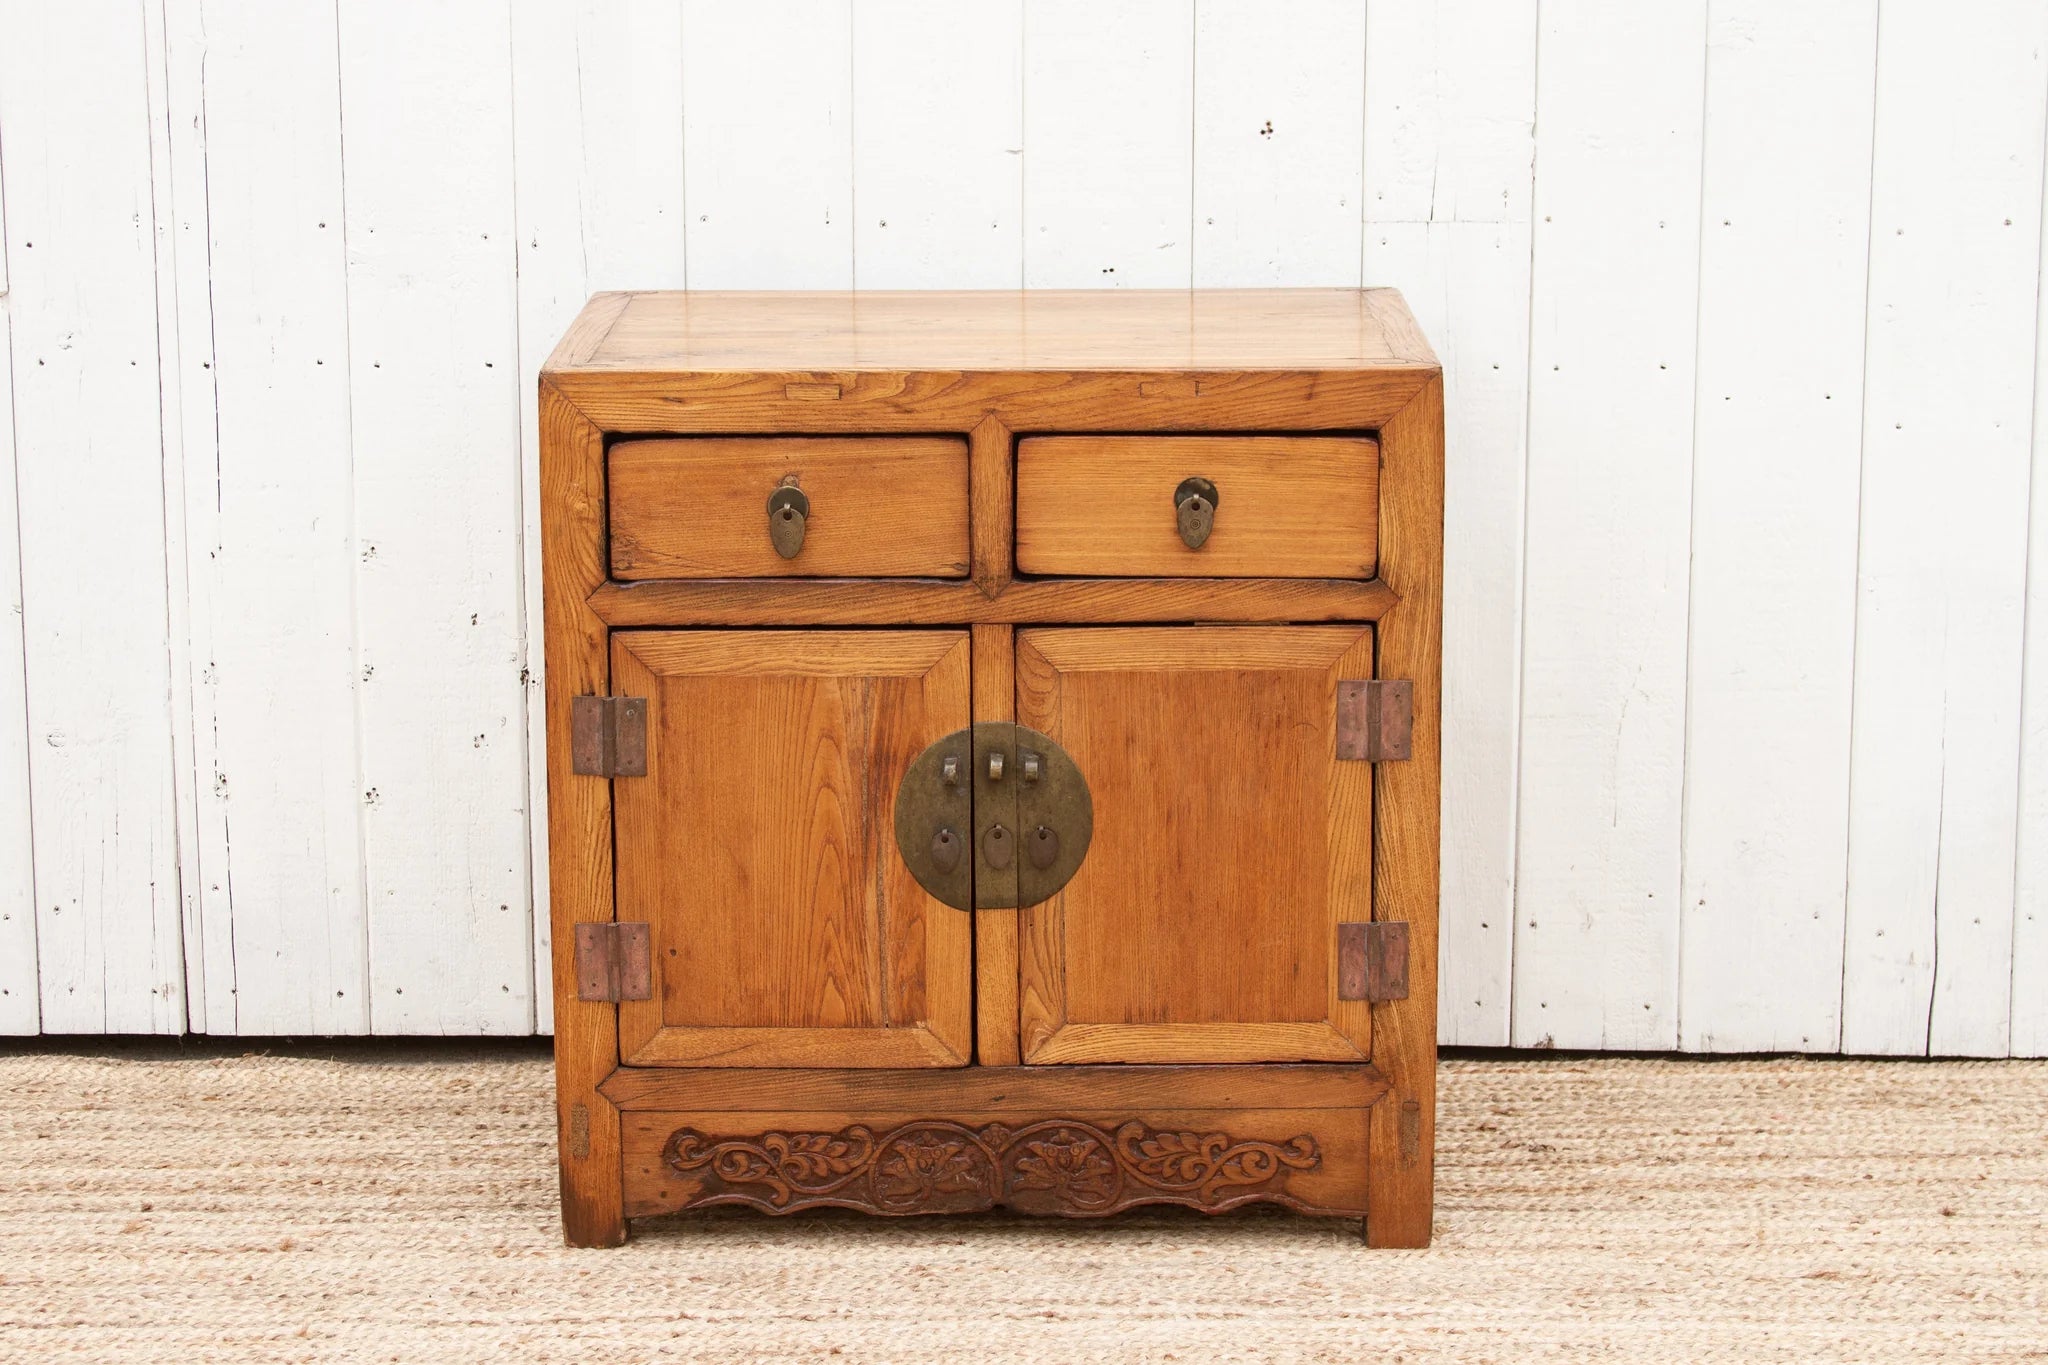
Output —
<point x="1230" y="843"/>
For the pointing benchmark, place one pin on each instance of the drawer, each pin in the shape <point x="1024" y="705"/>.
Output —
<point x="1285" y="506"/>
<point x="698" y="506"/>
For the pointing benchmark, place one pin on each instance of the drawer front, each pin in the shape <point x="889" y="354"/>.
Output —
<point x="1285" y="506"/>
<point x="878" y="507"/>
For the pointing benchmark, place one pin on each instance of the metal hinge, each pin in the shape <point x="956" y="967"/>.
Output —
<point x="608" y="736"/>
<point x="614" y="962"/>
<point x="1374" y="719"/>
<point x="1372" y="960"/>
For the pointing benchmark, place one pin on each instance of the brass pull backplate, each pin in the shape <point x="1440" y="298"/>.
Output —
<point x="789" y="513"/>
<point x="1050" y="812"/>
<point x="1194" y="509"/>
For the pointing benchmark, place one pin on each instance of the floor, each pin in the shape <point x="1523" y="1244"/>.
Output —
<point x="396" y="1202"/>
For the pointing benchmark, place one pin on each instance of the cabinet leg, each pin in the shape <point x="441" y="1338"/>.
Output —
<point x="587" y="1223"/>
<point x="1400" y="1171"/>
<point x="593" y="1194"/>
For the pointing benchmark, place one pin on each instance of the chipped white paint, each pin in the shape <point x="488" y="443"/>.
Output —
<point x="1955" y="223"/>
<point x="1614" y="295"/>
<point x="19" y="1009"/>
<point x="1108" y="144"/>
<point x="598" y="153"/>
<point x="82" y="313"/>
<point x="1449" y="150"/>
<point x="268" y="653"/>
<point x="1776" y="443"/>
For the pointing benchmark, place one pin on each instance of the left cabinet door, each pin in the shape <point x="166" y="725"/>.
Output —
<point x="760" y="848"/>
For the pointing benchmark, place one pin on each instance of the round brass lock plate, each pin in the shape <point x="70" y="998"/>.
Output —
<point x="1009" y="785"/>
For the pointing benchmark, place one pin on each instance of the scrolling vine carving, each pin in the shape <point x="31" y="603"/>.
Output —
<point x="1057" y="1166"/>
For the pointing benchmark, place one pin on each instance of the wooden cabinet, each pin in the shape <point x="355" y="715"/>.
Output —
<point x="992" y="749"/>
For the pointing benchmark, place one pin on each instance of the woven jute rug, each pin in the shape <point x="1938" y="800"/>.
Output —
<point x="397" y="1203"/>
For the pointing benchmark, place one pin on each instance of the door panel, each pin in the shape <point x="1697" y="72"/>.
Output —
<point x="1230" y="842"/>
<point x="760" y="847"/>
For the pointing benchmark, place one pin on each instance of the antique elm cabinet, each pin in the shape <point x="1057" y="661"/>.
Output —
<point x="992" y="752"/>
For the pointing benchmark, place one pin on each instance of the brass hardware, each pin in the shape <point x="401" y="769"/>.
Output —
<point x="1194" y="508"/>
<point x="1375" y="720"/>
<point x="614" y="962"/>
<point x="1043" y="847"/>
<point x="934" y="817"/>
<point x="997" y="848"/>
<point x="995" y="803"/>
<point x="789" y="512"/>
<point x="1372" y="960"/>
<point x="608" y="736"/>
<point x="1050" y="805"/>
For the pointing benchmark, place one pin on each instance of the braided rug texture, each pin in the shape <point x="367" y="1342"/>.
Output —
<point x="397" y="1203"/>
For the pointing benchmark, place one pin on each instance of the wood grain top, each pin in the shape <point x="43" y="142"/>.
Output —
<point x="1174" y="330"/>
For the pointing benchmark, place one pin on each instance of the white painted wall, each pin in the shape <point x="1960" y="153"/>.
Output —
<point x="1746" y="740"/>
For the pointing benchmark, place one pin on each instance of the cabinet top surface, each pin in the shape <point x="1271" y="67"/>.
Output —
<point x="677" y="331"/>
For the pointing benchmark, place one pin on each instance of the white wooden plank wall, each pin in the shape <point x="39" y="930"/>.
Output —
<point x="1954" y="303"/>
<point x="1776" y="443"/>
<point x="1746" y="734"/>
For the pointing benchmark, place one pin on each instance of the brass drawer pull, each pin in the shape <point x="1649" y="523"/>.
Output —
<point x="789" y="511"/>
<point x="1194" y="507"/>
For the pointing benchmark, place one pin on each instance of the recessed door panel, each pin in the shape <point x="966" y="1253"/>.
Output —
<point x="1230" y="842"/>
<point x="760" y="847"/>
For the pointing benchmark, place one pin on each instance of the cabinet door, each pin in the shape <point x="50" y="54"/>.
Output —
<point x="1230" y="842"/>
<point x="760" y="849"/>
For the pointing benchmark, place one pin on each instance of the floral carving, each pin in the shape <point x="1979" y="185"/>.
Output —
<point x="1060" y="1166"/>
<point x="787" y="1164"/>
<point x="928" y="1169"/>
<point x="1070" y="1166"/>
<point x="1207" y="1163"/>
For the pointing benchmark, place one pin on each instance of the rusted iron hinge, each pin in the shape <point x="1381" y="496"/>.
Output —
<point x="1375" y="719"/>
<point x="614" y="962"/>
<point x="608" y="736"/>
<point x="1372" y="960"/>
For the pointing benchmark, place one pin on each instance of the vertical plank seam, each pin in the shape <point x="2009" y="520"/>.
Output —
<point x="1024" y="140"/>
<point x="1699" y="274"/>
<point x="852" y="145"/>
<point x="2027" y="591"/>
<point x="519" y="598"/>
<point x="682" y="140"/>
<point x="192" y="877"/>
<point x="1522" y="587"/>
<point x="170" y="458"/>
<point x="20" y="625"/>
<point x="1364" y="157"/>
<point x="1862" y="476"/>
<point x="355" y="573"/>
<point x="1194" y="125"/>
<point x="213" y="713"/>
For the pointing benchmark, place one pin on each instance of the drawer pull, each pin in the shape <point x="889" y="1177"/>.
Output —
<point x="789" y="510"/>
<point x="1194" y="507"/>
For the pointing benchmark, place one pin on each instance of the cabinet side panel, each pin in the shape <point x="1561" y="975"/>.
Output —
<point x="1405" y="847"/>
<point x="579" y="818"/>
